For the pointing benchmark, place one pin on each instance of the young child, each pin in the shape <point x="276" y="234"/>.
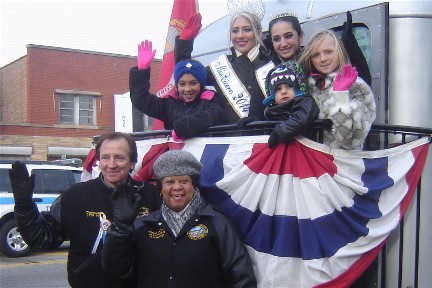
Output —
<point x="188" y="111"/>
<point x="340" y="94"/>
<point x="288" y="101"/>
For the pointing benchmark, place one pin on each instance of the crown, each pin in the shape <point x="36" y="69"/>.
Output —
<point x="255" y="7"/>
<point x="280" y="14"/>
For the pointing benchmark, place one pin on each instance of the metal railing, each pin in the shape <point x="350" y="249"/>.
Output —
<point x="379" y="136"/>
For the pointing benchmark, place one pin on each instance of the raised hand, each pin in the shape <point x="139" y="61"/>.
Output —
<point x="145" y="54"/>
<point x="22" y="185"/>
<point x="344" y="80"/>
<point x="347" y="28"/>
<point x="125" y="207"/>
<point x="192" y="27"/>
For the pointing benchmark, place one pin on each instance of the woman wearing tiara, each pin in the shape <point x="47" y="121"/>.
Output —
<point x="237" y="77"/>
<point x="285" y="36"/>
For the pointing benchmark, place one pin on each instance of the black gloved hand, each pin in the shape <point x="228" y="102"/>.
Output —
<point x="347" y="28"/>
<point x="273" y="139"/>
<point x="22" y="186"/>
<point x="244" y="121"/>
<point x="279" y="134"/>
<point x="125" y="207"/>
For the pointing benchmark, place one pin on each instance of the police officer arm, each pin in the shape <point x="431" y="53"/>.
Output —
<point x="39" y="230"/>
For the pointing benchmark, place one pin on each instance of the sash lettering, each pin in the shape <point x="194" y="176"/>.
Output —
<point x="232" y="88"/>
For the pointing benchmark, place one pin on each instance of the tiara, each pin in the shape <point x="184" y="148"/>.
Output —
<point x="255" y="7"/>
<point x="280" y="14"/>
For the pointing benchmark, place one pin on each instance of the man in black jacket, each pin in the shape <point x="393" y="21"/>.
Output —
<point x="83" y="213"/>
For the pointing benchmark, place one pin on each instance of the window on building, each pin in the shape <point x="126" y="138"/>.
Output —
<point x="77" y="108"/>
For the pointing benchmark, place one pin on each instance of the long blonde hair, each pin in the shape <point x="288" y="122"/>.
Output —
<point x="255" y="24"/>
<point x="305" y="60"/>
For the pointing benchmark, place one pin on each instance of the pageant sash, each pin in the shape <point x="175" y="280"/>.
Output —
<point x="261" y="75"/>
<point x="232" y="88"/>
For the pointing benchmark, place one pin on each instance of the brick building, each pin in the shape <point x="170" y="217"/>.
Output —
<point x="54" y="100"/>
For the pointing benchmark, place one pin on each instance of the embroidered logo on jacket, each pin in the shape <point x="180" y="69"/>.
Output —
<point x="93" y="214"/>
<point x="198" y="232"/>
<point x="143" y="211"/>
<point x="156" y="234"/>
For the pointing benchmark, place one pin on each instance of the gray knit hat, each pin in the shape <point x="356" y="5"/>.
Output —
<point x="176" y="163"/>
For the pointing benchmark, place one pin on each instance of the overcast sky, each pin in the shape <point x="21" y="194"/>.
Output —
<point x="112" y="26"/>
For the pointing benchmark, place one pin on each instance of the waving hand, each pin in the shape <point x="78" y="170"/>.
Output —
<point x="145" y="54"/>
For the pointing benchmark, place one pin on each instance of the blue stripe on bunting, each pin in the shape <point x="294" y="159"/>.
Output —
<point x="212" y="160"/>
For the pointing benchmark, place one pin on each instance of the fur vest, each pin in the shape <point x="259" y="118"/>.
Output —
<point x="352" y="112"/>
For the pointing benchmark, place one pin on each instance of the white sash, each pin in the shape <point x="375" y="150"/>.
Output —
<point x="261" y="74"/>
<point x="232" y="88"/>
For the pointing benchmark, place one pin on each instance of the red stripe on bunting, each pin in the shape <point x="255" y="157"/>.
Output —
<point x="420" y="153"/>
<point x="282" y="161"/>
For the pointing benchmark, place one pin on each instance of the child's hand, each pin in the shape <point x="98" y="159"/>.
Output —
<point x="145" y="54"/>
<point x="273" y="139"/>
<point x="344" y="80"/>
<point x="280" y="134"/>
<point x="192" y="27"/>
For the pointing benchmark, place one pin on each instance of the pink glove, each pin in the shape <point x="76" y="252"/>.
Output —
<point x="175" y="137"/>
<point x="344" y="80"/>
<point x="192" y="27"/>
<point x="145" y="54"/>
